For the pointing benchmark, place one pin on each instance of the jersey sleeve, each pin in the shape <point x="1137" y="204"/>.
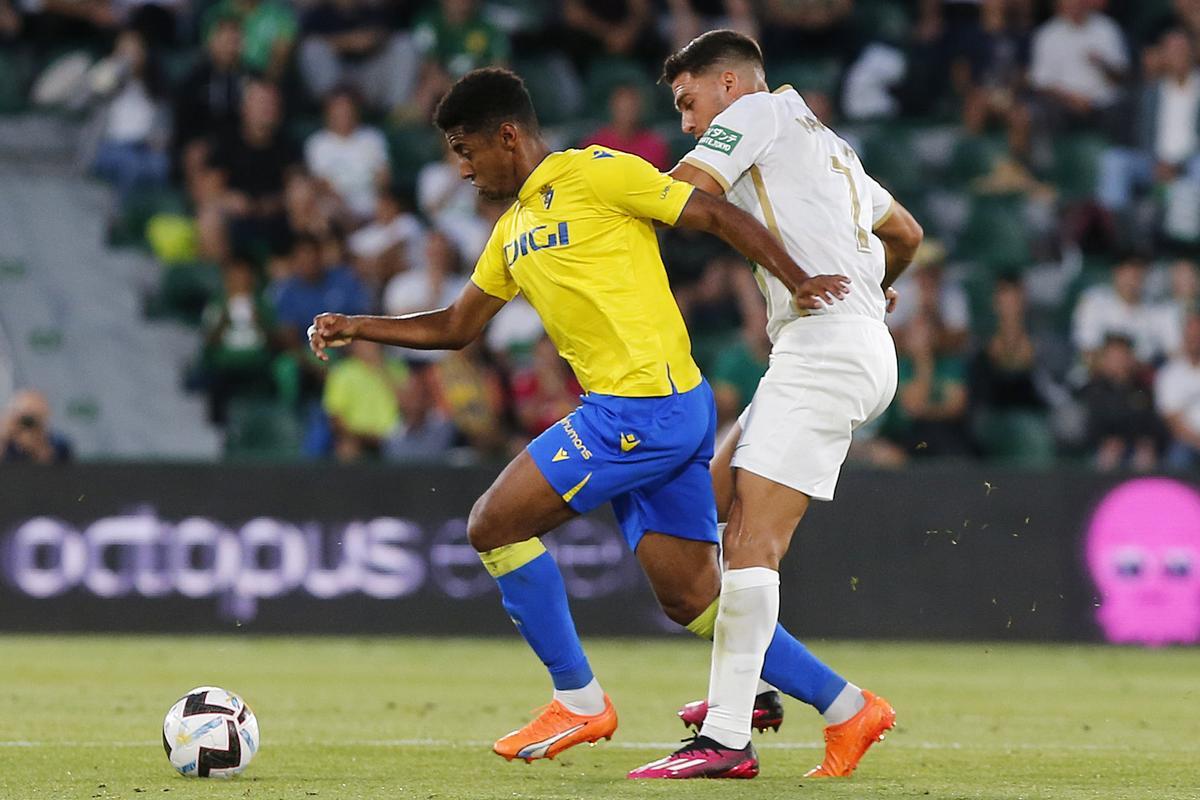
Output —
<point x="633" y="186"/>
<point x="882" y="203"/>
<point x="491" y="270"/>
<point x="737" y="137"/>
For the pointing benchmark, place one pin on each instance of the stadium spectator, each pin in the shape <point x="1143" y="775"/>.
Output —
<point x="26" y="435"/>
<point x="816" y="28"/>
<point x="1004" y="374"/>
<point x="1177" y="395"/>
<point x="209" y="98"/>
<point x="135" y="125"/>
<point x="624" y="28"/>
<point x="350" y="42"/>
<point x="240" y="202"/>
<point x="309" y="210"/>
<point x="432" y="284"/>
<point x="443" y="197"/>
<point x="315" y="286"/>
<point x="1120" y="307"/>
<point x="513" y="332"/>
<point x="426" y="433"/>
<point x="928" y="417"/>
<point x="349" y="158"/>
<point x="927" y="292"/>
<point x="1077" y="63"/>
<point x="470" y="392"/>
<point x="545" y="391"/>
<point x="991" y="71"/>
<point x="1167" y="131"/>
<point x="268" y="33"/>
<point x="392" y="243"/>
<point x="1122" y="428"/>
<point x="239" y="331"/>
<point x="687" y="19"/>
<point x="11" y="21"/>
<point x="453" y="38"/>
<point x="740" y="364"/>
<point x="362" y="400"/>
<point x="626" y="132"/>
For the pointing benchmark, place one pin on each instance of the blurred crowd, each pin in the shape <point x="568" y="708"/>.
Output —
<point x="285" y="154"/>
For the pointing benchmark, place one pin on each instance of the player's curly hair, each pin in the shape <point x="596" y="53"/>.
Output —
<point x="483" y="99"/>
<point x="708" y="49"/>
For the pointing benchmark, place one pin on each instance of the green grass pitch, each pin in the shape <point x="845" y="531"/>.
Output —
<point x="413" y="718"/>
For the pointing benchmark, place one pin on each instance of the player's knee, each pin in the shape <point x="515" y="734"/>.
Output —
<point x="685" y="607"/>
<point x="483" y="532"/>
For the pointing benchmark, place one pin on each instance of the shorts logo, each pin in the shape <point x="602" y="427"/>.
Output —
<point x="561" y="455"/>
<point x="575" y="440"/>
<point x="628" y="442"/>
<point x="723" y="140"/>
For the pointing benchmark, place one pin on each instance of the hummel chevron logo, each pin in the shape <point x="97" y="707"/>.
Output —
<point x="561" y="455"/>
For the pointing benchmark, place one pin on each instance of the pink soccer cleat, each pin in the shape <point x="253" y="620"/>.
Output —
<point x="702" y="757"/>
<point x="768" y="712"/>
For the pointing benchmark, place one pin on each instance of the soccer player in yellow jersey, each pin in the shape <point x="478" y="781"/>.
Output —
<point x="579" y="242"/>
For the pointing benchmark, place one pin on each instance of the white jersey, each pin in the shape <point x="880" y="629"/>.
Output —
<point x="775" y="159"/>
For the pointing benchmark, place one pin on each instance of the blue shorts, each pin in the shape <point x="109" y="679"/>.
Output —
<point x="648" y="456"/>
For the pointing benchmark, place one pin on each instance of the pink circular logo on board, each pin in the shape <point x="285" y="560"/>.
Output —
<point x="1143" y="552"/>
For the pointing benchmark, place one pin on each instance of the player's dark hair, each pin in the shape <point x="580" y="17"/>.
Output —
<point x="709" y="49"/>
<point x="484" y="99"/>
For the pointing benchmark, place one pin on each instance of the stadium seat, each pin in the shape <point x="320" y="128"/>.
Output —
<point x="129" y="229"/>
<point x="605" y="74"/>
<point x="806" y="75"/>
<point x="553" y="88"/>
<point x="889" y="152"/>
<point x="1016" y="438"/>
<point x="1076" y="160"/>
<point x="262" y="430"/>
<point x="973" y="157"/>
<point x="185" y="290"/>
<point x="995" y="235"/>
<point x="410" y="148"/>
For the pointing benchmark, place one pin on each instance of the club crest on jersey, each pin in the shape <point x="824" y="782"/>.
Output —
<point x="723" y="140"/>
<point x="535" y="239"/>
<point x="547" y="193"/>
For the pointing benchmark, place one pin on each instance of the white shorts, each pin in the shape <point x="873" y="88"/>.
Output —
<point x="829" y="375"/>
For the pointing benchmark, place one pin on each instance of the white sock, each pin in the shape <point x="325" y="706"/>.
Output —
<point x="763" y="686"/>
<point x="849" y="702"/>
<point x="587" y="700"/>
<point x="745" y="624"/>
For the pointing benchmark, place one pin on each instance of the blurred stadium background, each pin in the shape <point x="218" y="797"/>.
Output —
<point x="184" y="184"/>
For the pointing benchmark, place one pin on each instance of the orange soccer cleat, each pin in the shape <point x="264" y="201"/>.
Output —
<point x="847" y="742"/>
<point x="555" y="729"/>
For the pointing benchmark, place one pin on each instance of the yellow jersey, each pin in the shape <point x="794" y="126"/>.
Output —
<point x="580" y="243"/>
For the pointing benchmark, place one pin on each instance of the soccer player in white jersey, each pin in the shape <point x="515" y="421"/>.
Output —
<point x="831" y="370"/>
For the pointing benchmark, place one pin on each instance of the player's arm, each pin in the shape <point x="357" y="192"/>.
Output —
<point x="690" y="173"/>
<point x="749" y="237"/>
<point x="901" y="235"/>
<point x="450" y="328"/>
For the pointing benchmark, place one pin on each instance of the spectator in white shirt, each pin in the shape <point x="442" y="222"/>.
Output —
<point x="1120" y="309"/>
<point x="1177" y="395"/>
<point x="350" y="158"/>
<point x="1168" y="130"/>
<point x="392" y="243"/>
<point x="1078" y="61"/>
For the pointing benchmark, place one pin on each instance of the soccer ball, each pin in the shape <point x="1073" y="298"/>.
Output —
<point x="210" y="733"/>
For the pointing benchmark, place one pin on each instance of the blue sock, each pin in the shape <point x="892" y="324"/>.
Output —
<point x="792" y="669"/>
<point x="536" y="600"/>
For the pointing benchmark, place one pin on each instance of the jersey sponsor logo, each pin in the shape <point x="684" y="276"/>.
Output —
<point x="723" y="140"/>
<point x="561" y="455"/>
<point x="573" y="435"/>
<point x="534" y="239"/>
<point x="628" y="442"/>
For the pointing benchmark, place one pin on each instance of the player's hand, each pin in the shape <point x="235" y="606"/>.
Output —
<point x="330" y="330"/>
<point x="892" y="297"/>
<point x="821" y="290"/>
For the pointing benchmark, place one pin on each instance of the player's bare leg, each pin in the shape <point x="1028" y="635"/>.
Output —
<point x="762" y="520"/>
<point x="504" y="527"/>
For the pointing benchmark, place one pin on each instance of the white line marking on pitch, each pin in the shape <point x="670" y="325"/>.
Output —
<point x="671" y="745"/>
